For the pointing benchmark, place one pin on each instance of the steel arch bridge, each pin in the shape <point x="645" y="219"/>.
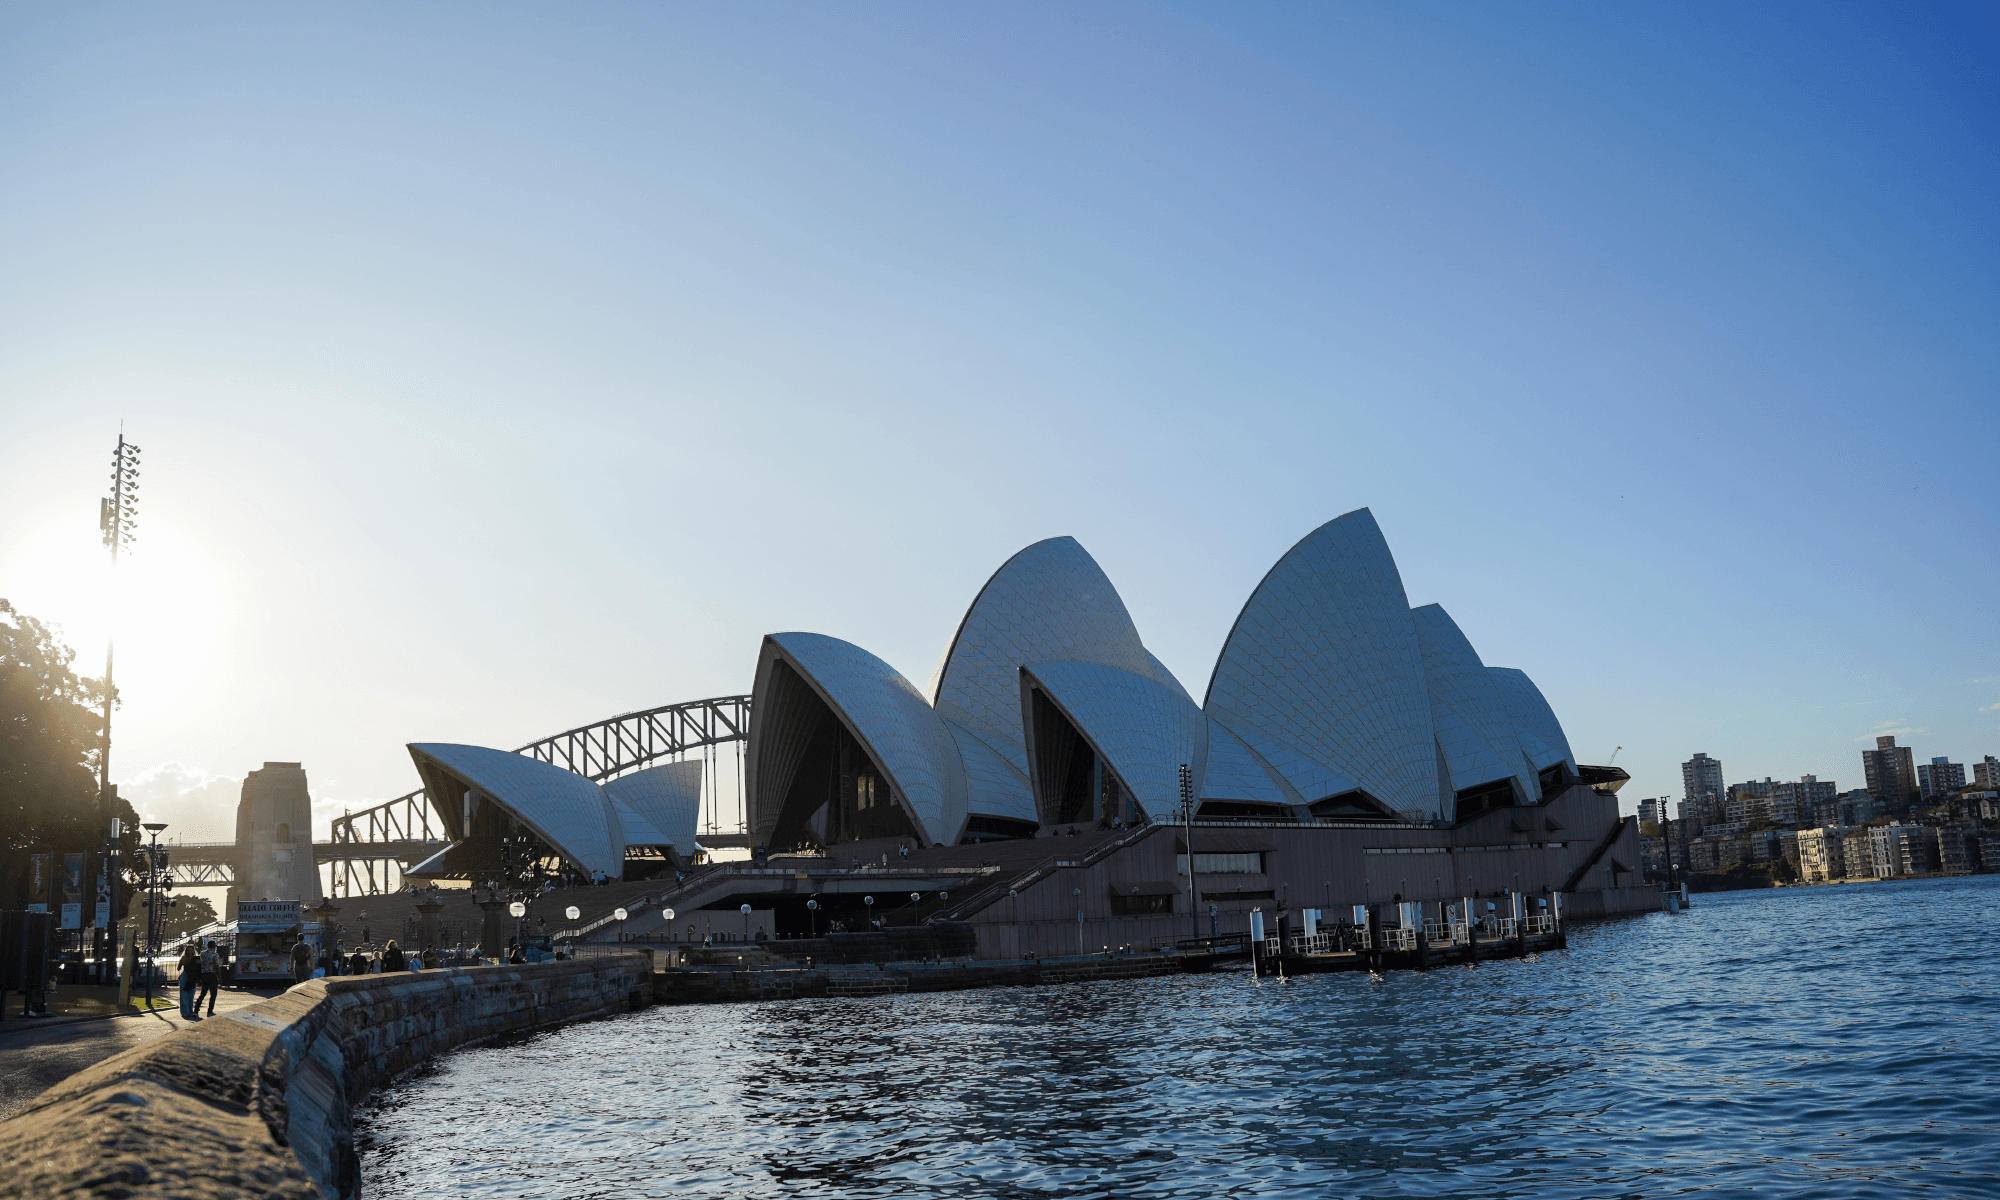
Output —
<point x="365" y="843"/>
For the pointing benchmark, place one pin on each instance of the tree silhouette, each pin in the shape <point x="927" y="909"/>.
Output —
<point x="51" y="735"/>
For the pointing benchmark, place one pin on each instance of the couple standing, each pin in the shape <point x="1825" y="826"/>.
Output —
<point x="200" y="967"/>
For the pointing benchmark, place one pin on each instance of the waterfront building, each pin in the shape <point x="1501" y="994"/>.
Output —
<point x="1788" y="845"/>
<point x="1957" y="854"/>
<point x="1891" y="773"/>
<point x="1983" y="847"/>
<point x="1986" y="772"/>
<point x="1857" y="852"/>
<point x="1902" y="850"/>
<point x="1821" y="851"/>
<point x="273" y="856"/>
<point x="1940" y="779"/>
<point x="1916" y="849"/>
<point x="1349" y="749"/>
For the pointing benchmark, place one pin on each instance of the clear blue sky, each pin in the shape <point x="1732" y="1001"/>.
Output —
<point x="502" y="367"/>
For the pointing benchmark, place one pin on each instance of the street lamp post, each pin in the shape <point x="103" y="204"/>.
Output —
<point x="152" y="897"/>
<point x="812" y="915"/>
<point x="870" y="902"/>
<point x="745" y="910"/>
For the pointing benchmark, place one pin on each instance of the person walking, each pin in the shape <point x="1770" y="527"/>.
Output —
<point x="431" y="961"/>
<point x="392" y="957"/>
<point x="302" y="960"/>
<point x="190" y="977"/>
<point x="211" y="977"/>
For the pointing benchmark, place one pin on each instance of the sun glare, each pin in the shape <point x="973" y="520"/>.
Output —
<point x="162" y="603"/>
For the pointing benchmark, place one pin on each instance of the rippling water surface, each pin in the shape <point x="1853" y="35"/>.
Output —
<point x="1826" y="1042"/>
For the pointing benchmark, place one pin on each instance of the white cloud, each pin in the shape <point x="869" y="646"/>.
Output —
<point x="1989" y="708"/>
<point x="1900" y="727"/>
<point x="197" y="806"/>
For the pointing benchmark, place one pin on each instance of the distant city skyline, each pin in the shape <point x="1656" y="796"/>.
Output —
<point x="503" y="370"/>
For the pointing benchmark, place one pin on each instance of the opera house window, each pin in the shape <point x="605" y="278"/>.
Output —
<point x="1222" y="864"/>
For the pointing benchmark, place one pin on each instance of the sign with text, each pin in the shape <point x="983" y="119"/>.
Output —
<point x="266" y="915"/>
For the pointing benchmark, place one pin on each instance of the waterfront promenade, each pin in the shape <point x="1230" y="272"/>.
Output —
<point x="36" y="1054"/>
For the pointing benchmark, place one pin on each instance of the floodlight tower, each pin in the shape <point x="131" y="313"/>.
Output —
<point x="118" y="519"/>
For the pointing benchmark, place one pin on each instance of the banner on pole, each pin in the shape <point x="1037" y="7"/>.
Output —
<point x="39" y="867"/>
<point x="103" y="920"/>
<point x="72" y="890"/>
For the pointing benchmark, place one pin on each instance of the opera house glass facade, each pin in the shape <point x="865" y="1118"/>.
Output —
<point x="1332" y="699"/>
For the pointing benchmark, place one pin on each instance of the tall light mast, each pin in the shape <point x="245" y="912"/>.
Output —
<point x="118" y="518"/>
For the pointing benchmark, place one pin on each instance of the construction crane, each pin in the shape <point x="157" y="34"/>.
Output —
<point x="1613" y="760"/>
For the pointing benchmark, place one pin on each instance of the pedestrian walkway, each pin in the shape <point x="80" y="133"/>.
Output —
<point x="80" y="1001"/>
<point x="36" y="1054"/>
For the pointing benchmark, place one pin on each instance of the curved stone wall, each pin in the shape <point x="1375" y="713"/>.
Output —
<point x="257" y="1102"/>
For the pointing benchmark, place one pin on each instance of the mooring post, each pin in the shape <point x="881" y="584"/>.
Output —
<point x="1423" y="943"/>
<point x="1471" y="935"/>
<point x="1256" y="938"/>
<point x="1375" y="934"/>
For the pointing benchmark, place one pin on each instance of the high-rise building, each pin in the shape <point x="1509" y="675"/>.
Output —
<point x="1891" y="773"/>
<point x="1987" y="773"/>
<point x="1702" y="791"/>
<point x="1940" y="779"/>
<point x="1654" y="810"/>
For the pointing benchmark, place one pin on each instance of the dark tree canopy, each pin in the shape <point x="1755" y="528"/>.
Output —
<point x="51" y="734"/>
<point x="180" y="914"/>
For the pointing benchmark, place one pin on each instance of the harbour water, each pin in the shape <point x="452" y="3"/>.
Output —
<point x="1828" y="1042"/>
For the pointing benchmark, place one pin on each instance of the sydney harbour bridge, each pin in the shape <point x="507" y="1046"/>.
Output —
<point x="369" y="849"/>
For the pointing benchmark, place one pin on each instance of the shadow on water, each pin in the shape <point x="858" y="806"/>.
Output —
<point x="1824" y="1042"/>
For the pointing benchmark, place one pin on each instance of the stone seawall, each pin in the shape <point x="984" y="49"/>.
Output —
<point x="257" y="1102"/>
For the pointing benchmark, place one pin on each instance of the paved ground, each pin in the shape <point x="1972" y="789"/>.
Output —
<point x="35" y="1054"/>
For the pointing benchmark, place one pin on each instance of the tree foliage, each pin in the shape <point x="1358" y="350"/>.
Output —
<point x="51" y="736"/>
<point x="181" y="913"/>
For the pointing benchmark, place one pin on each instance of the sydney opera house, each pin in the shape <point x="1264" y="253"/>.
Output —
<point x="1347" y="749"/>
